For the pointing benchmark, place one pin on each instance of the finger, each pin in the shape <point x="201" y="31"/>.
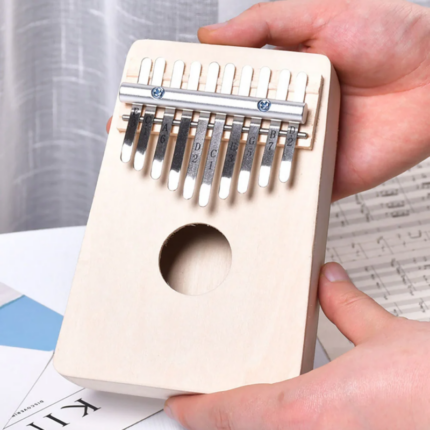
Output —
<point x="246" y="408"/>
<point x="279" y="23"/>
<point x="108" y="124"/>
<point x="354" y="313"/>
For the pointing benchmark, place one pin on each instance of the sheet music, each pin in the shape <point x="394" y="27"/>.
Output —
<point x="382" y="238"/>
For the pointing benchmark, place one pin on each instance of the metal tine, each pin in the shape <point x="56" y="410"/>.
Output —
<point x="148" y="118"/>
<point x="199" y="138"/>
<point x="212" y="157"/>
<point x="227" y="127"/>
<point x="136" y="111"/>
<point x="253" y="134"/>
<point x="293" y="129"/>
<point x="274" y="128"/>
<point x="184" y="129"/>
<point x="166" y="125"/>
<point x="236" y="133"/>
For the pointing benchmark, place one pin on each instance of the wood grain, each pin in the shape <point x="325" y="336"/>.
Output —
<point x="125" y="330"/>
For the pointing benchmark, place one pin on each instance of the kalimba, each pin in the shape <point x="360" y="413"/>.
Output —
<point x="199" y="267"/>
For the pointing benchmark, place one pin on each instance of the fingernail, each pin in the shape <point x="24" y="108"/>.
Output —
<point x="214" y="27"/>
<point x="335" y="272"/>
<point x="168" y="411"/>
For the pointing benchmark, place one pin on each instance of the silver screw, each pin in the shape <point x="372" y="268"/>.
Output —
<point x="264" y="105"/>
<point x="157" y="92"/>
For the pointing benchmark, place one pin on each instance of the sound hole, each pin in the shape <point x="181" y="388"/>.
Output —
<point x="195" y="259"/>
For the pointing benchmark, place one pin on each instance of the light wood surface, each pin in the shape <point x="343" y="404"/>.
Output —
<point x="126" y="330"/>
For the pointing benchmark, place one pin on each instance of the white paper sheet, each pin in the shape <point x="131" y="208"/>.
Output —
<point x="19" y="370"/>
<point x="54" y="402"/>
<point x="158" y="421"/>
<point x="41" y="264"/>
<point x="7" y="295"/>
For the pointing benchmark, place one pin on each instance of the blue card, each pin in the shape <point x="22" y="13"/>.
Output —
<point x="25" y="323"/>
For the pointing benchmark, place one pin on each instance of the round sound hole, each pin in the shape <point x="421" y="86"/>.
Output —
<point x="195" y="259"/>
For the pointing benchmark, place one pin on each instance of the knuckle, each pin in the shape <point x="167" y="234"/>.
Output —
<point x="350" y="299"/>
<point x="287" y="414"/>
<point x="222" y="419"/>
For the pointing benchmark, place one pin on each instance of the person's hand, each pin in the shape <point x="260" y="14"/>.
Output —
<point x="381" y="51"/>
<point x="383" y="383"/>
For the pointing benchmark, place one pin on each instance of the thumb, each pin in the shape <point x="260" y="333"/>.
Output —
<point x="354" y="313"/>
<point x="246" y="408"/>
<point x="284" y="23"/>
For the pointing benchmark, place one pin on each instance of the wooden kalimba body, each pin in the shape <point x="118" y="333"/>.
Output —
<point x="199" y="267"/>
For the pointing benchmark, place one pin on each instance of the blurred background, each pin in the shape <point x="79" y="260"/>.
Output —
<point x="60" y="68"/>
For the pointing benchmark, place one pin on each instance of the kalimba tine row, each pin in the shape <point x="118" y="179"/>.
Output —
<point x="221" y="104"/>
<point x="173" y="295"/>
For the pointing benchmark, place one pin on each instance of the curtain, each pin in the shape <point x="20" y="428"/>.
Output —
<point x="60" y="67"/>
